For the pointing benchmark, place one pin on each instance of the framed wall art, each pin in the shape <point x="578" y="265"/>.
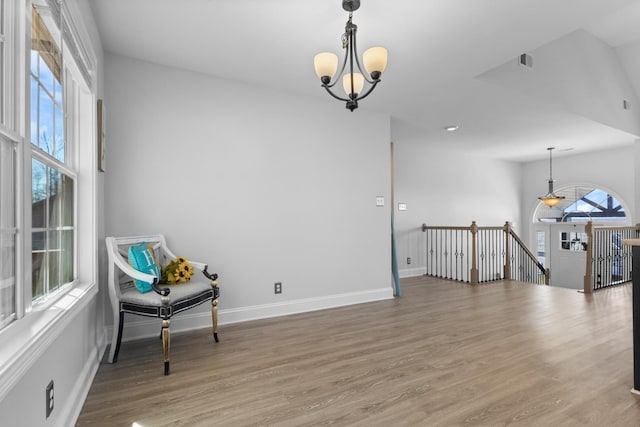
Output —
<point x="101" y="135"/>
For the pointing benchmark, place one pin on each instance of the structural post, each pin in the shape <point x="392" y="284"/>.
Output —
<point x="588" y="274"/>
<point x="474" y="253"/>
<point x="635" y="243"/>
<point x="507" y="249"/>
<point x="636" y="319"/>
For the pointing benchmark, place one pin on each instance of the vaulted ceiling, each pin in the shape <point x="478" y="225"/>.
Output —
<point x="451" y="62"/>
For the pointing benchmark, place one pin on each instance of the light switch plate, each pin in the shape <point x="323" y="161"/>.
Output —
<point x="402" y="206"/>
<point x="379" y="201"/>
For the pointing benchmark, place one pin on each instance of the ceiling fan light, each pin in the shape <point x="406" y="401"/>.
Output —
<point x="375" y="59"/>
<point x="358" y="83"/>
<point x="326" y="64"/>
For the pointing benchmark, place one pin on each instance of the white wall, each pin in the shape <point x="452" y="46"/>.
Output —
<point x="263" y="186"/>
<point x="445" y="187"/>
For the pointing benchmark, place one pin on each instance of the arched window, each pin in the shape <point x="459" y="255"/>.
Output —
<point x="583" y="204"/>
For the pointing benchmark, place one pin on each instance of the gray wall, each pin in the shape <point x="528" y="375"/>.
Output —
<point x="263" y="186"/>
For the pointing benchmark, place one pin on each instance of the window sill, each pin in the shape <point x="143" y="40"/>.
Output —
<point x="26" y="339"/>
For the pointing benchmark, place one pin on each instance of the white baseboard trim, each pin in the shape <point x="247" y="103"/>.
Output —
<point x="412" y="272"/>
<point x="149" y="327"/>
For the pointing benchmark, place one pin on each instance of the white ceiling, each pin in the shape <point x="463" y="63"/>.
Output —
<point x="437" y="51"/>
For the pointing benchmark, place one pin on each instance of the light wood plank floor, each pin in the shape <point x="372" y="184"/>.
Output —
<point x="445" y="354"/>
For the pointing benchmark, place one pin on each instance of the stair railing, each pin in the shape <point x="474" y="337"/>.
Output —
<point x="480" y="254"/>
<point x="608" y="261"/>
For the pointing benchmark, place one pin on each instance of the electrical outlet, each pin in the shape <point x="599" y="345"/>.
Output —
<point x="49" y="398"/>
<point x="277" y="288"/>
<point x="408" y="260"/>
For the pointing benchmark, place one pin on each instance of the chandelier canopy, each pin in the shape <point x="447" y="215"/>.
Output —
<point x="550" y="199"/>
<point x="374" y="59"/>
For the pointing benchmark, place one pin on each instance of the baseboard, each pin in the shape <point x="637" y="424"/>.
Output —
<point x="412" y="272"/>
<point x="148" y="327"/>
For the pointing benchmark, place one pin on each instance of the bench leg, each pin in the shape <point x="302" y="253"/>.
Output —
<point x="116" y="350"/>
<point x="166" y="342"/>
<point x="214" y="318"/>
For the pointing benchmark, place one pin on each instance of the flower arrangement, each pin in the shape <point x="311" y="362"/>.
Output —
<point x="177" y="271"/>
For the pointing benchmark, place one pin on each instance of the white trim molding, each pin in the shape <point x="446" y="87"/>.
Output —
<point x="148" y="327"/>
<point x="412" y="272"/>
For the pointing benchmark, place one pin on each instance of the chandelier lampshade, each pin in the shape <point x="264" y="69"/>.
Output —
<point x="354" y="86"/>
<point x="354" y="78"/>
<point x="326" y="65"/>
<point x="375" y="60"/>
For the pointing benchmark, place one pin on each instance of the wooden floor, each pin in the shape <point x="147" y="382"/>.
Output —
<point x="445" y="354"/>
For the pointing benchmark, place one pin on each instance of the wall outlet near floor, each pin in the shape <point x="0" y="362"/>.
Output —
<point x="49" y="398"/>
<point x="408" y="260"/>
<point x="277" y="288"/>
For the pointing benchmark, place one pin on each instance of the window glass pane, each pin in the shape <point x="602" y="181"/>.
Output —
<point x="34" y="62"/>
<point x="45" y="122"/>
<point x="38" y="194"/>
<point x="38" y="264"/>
<point x="34" y="111"/>
<point x="53" y="252"/>
<point x="46" y="76"/>
<point x="55" y="219"/>
<point x="58" y="92"/>
<point x="66" y="203"/>
<point x="66" y="256"/>
<point x="59" y="152"/>
<point x="541" y="246"/>
<point x="60" y="199"/>
<point x="7" y="233"/>
<point x="7" y="278"/>
<point x="7" y="183"/>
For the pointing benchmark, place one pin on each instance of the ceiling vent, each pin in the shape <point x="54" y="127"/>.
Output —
<point x="525" y="60"/>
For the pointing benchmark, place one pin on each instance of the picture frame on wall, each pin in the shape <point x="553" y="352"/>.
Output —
<point x="101" y="135"/>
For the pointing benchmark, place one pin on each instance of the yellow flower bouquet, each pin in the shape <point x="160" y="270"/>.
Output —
<point x="177" y="271"/>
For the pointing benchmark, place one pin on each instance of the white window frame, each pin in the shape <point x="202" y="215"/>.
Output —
<point x="69" y="75"/>
<point x="36" y="327"/>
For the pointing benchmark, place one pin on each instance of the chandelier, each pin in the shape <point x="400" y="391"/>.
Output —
<point x="374" y="59"/>
<point x="550" y="199"/>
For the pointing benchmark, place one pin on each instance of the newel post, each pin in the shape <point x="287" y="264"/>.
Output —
<point x="507" y="250"/>
<point x="474" y="253"/>
<point x="588" y="273"/>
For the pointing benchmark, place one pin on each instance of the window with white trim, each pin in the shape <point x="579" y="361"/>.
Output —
<point x="8" y="159"/>
<point x="47" y="170"/>
<point x="7" y="232"/>
<point x="52" y="174"/>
